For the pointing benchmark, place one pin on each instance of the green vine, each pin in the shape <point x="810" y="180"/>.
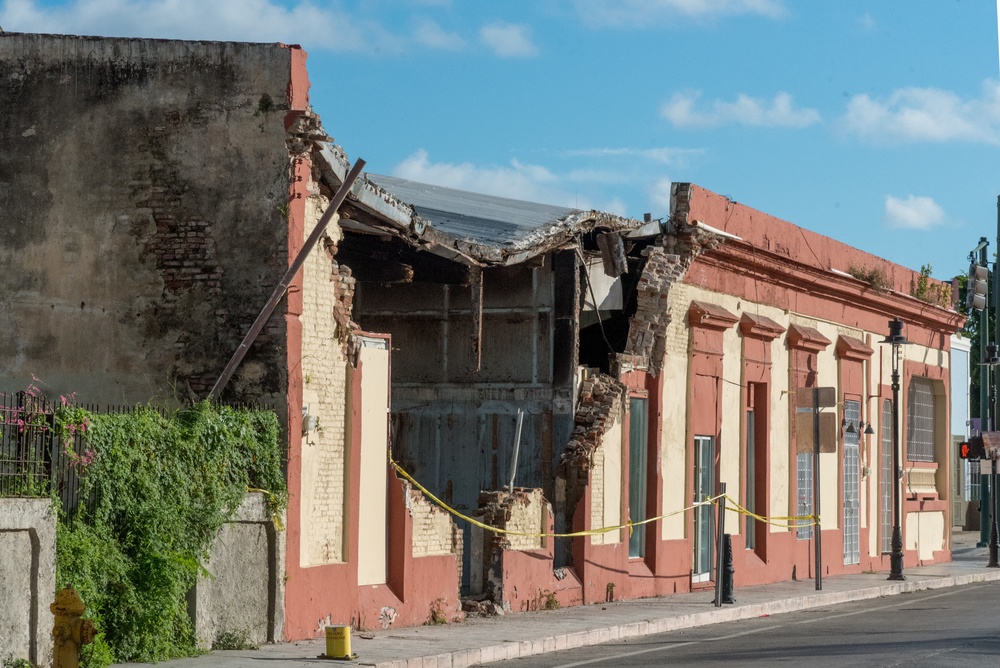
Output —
<point x="157" y="489"/>
<point x="875" y="277"/>
<point x="936" y="293"/>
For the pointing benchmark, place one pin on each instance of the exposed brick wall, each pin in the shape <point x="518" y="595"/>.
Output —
<point x="664" y="267"/>
<point x="324" y="393"/>
<point x="142" y="227"/>
<point x="599" y="408"/>
<point x="434" y="530"/>
<point x="523" y="510"/>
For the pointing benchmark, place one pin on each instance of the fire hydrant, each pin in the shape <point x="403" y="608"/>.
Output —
<point x="70" y="632"/>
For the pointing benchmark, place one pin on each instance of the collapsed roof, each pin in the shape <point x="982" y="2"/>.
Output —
<point x="471" y="228"/>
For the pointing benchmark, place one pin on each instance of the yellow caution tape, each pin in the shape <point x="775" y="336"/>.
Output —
<point x="785" y="522"/>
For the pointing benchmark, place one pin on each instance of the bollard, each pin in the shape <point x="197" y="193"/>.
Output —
<point x="70" y="632"/>
<point x="728" y="571"/>
<point x="338" y="643"/>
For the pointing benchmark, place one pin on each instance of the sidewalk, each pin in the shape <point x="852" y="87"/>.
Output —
<point x="483" y="640"/>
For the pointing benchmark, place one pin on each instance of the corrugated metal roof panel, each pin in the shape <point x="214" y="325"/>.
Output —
<point x="487" y="219"/>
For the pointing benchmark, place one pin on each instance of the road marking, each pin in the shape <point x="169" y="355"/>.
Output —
<point x="664" y="648"/>
<point x="886" y="607"/>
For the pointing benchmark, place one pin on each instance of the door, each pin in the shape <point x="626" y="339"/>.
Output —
<point x="704" y="487"/>
<point x="373" y="364"/>
<point x="852" y="483"/>
<point x="638" y="458"/>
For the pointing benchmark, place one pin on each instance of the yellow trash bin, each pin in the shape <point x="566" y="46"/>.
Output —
<point x="338" y="642"/>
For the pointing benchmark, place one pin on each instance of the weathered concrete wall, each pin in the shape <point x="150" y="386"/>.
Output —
<point x="244" y="591"/>
<point x="27" y="579"/>
<point x="144" y="190"/>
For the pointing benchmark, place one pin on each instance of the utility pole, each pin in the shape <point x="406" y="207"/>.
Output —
<point x="984" y="391"/>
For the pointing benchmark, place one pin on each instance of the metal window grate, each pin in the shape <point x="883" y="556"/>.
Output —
<point x="972" y="481"/>
<point x="852" y="484"/>
<point x="920" y="421"/>
<point x="804" y="478"/>
<point x="885" y="479"/>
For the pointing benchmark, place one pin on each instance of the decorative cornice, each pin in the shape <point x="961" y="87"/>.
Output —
<point x="768" y="267"/>
<point x="805" y="338"/>
<point x="710" y="316"/>
<point x="760" y="327"/>
<point x="850" y="348"/>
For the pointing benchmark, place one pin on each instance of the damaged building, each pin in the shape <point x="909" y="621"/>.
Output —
<point x="576" y="379"/>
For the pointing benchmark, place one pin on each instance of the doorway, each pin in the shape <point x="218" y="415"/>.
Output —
<point x="704" y="523"/>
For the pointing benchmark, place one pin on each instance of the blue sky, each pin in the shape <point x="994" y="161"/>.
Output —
<point x="874" y="122"/>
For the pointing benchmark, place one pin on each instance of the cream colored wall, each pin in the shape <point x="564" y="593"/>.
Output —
<point x="324" y="393"/>
<point x="925" y="532"/>
<point x="606" y="486"/>
<point x="674" y="426"/>
<point x="374" y="365"/>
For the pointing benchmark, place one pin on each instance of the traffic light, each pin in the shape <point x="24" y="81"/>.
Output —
<point x="975" y="292"/>
<point x="972" y="449"/>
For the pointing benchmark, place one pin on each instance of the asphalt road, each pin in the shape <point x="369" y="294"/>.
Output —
<point x="941" y="628"/>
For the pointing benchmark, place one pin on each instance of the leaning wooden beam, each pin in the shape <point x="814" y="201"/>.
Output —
<point x="282" y="287"/>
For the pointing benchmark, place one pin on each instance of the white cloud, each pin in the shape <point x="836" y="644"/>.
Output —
<point x="533" y="183"/>
<point x="664" y="155"/>
<point x="229" y="20"/>
<point x="646" y="13"/>
<point x="508" y="40"/>
<point x="867" y="22"/>
<point x="778" y="112"/>
<point x="926" y="115"/>
<point x="430" y="34"/>
<point x="912" y="213"/>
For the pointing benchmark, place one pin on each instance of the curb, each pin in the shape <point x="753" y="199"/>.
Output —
<point x="513" y="650"/>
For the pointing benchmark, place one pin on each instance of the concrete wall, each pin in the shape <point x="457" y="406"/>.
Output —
<point x="144" y="185"/>
<point x="245" y="586"/>
<point x="27" y="579"/>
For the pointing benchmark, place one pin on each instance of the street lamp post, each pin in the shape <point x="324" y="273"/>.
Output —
<point x="896" y="339"/>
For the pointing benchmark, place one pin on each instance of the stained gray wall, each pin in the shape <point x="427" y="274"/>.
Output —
<point x="27" y="579"/>
<point x="143" y="192"/>
<point x="244" y="591"/>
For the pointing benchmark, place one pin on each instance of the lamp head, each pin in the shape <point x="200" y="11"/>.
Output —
<point x="895" y="336"/>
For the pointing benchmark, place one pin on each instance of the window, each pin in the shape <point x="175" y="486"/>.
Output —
<point x="755" y="472"/>
<point x="804" y="462"/>
<point x="638" y="458"/>
<point x="886" y="478"/>
<point x="920" y="421"/>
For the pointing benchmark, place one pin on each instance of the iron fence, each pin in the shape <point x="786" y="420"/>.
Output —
<point x="35" y="459"/>
<point x="38" y="460"/>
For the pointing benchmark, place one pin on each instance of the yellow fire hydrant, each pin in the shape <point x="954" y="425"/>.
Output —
<point x="70" y="632"/>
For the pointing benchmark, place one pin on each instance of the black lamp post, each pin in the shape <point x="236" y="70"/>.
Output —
<point x="896" y="339"/>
